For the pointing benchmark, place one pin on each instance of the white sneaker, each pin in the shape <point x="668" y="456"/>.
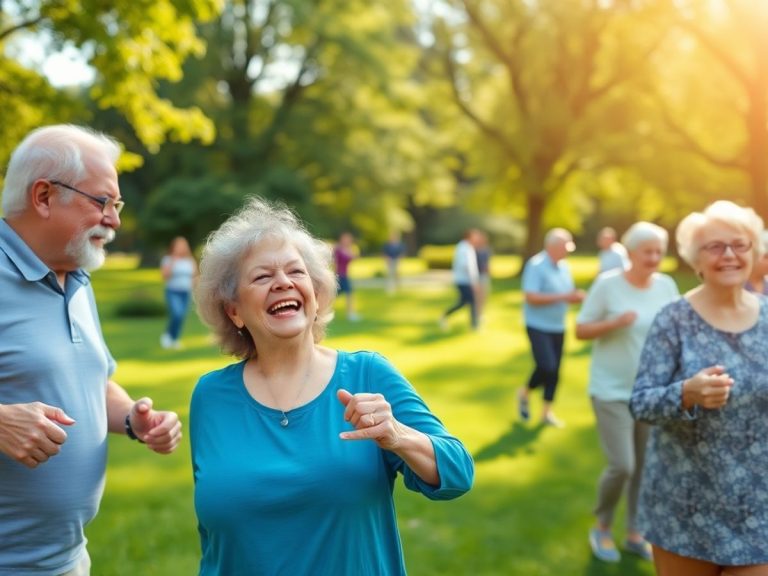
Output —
<point x="166" y="341"/>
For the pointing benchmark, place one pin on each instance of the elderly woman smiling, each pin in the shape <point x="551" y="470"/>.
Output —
<point x="296" y="447"/>
<point x="617" y="314"/>
<point x="702" y="381"/>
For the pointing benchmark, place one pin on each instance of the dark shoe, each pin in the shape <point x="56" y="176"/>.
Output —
<point x="602" y="546"/>
<point x="522" y="407"/>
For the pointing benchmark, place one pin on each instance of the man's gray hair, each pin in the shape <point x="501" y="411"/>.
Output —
<point x="54" y="152"/>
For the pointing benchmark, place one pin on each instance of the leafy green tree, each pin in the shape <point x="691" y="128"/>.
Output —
<point x="319" y="104"/>
<point x="549" y="88"/>
<point x="131" y="45"/>
<point x="713" y="98"/>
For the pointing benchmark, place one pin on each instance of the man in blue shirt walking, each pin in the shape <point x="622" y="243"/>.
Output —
<point x="549" y="289"/>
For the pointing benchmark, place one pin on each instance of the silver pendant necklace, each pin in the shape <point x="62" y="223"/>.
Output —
<point x="285" y="421"/>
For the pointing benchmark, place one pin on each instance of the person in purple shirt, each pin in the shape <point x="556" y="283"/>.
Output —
<point x="343" y="253"/>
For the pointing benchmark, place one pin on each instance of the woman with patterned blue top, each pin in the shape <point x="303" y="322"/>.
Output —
<point x="296" y="448"/>
<point x="702" y="383"/>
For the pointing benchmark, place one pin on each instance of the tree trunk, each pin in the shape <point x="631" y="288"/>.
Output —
<point x="536" y="203"/>
<point x="757" y="131"/>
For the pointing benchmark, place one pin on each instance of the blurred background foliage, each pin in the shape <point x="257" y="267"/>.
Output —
<point x="422" y="116"/>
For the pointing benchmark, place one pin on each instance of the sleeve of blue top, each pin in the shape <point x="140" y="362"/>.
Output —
<point x="656" y="398"/>
<point x="454" y="463"/>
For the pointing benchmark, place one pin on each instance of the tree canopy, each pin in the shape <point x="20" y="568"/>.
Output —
<point x="371" y="115"/>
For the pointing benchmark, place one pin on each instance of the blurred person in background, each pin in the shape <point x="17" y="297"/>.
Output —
<point x="483" y="254"/>
<point x="757" y="279"/>
<point x="393" y="251"/>
<point x="611" y="255"/>
<point x="617" y="314"/>
<point x="179" y="270"/>
<point x="548" y="289"/>
<point x="343" y="253"/>
<point x="703" y="386"/>
<point x="465" y="278"/>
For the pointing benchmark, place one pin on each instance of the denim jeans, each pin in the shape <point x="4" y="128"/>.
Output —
<point x="547" y="348"/>
<point x="177" y="302"/>
<point x="466" y="298"/>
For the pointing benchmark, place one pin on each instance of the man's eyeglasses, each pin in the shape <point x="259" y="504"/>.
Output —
<point x="103" y="201"/>
<point x="718" y="248"/>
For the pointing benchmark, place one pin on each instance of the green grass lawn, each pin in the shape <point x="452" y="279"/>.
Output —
<point x="530" y="508"/>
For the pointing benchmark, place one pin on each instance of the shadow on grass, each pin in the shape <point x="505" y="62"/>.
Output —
<point x="524" y="516"/>
<point x="517" y="439"/>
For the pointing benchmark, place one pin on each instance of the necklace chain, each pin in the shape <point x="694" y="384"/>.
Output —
<point x="285" y="421"/>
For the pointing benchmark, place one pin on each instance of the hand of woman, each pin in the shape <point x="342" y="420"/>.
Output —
<point x="708" y="388"/>
<point x="371" y="415"/>
<point x="626" y="319"/>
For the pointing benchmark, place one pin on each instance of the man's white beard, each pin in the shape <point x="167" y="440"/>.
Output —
<point x="87" y="255"/>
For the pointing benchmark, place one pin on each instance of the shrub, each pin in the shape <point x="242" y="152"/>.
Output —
<point x="141" y="304"/>
<point x="437" y="257"/>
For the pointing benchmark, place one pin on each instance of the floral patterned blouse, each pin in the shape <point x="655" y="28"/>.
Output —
<point x="704" y="492"/>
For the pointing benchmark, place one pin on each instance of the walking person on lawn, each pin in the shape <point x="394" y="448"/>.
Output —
<point x="616" y="315"/>
<point x="179" y="270"/>
<point x="548" y="289"/>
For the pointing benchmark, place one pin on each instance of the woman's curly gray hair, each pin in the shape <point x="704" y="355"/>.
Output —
<point x="222" y="257"/>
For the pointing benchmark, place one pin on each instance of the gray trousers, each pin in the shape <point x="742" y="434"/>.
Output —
<point x="623" y="441"/>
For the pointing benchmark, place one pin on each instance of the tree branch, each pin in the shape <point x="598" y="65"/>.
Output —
<point x="508" y="59"/>
<point x="626" y="72"/>
<point x="693" y="145"/>
<point x="21" y="25"/>
<point x="484" y="126"/>
<point x="729" y="63"/>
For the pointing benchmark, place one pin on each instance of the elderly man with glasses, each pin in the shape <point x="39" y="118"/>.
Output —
<point x="61" y="202"/>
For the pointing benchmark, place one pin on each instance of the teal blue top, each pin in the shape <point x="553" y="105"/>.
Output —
<point x="297" y="499"/>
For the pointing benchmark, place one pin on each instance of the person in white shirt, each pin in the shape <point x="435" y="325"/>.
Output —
<point x="466" y="277"/>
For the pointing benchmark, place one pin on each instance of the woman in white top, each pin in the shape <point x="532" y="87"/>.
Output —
<point x="617" y="314"/>
<point x="179" y="269"/>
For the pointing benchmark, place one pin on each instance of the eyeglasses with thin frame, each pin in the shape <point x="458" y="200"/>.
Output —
<point x="718" y="248"/>
<point x="103" y="201"/>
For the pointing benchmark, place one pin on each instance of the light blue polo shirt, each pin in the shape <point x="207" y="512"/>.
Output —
<point x="51" y="350"/>
<point x="542" y="275"/>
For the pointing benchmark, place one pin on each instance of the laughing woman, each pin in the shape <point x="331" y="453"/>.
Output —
<point x="296" y="447"/>
<point x="702" y="383"/>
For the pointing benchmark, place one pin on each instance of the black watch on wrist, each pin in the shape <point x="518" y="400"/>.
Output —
<point x="129" y="429"/>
